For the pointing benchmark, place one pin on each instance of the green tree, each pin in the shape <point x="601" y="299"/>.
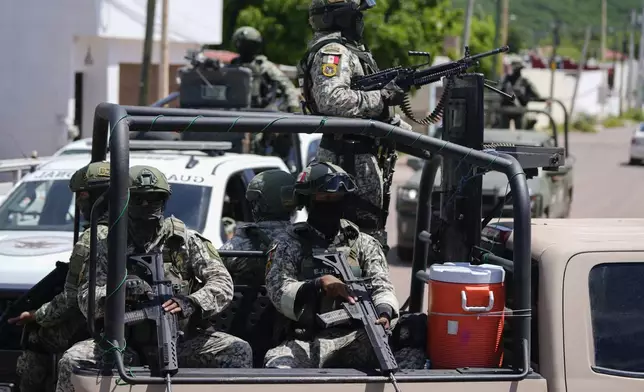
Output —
<point x="482" y="40"/>
<point x="516" y="40"/>
<point x="391" y="28"/>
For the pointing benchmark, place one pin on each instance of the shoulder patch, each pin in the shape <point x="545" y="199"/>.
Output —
<point x="332" y="49"/>
<point x="210" y="248"/>
<point x="330" y="59"/>
<point x="269" y="258"/>
<point x="329" y="70"/>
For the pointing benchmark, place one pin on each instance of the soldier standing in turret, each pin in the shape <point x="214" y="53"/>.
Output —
<point x="335" y="55"/>
<point x="266" y="75"/>
<point x="516" y="84"/>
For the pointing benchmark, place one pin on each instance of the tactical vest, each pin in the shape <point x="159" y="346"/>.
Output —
<point x="310" y="268"/>
<point x="175" y="252"/>
<point x="173" y="239"/>
<point x="259" y="85"/>
<point x="367" y="62"/>
<point x="257" y="237"/>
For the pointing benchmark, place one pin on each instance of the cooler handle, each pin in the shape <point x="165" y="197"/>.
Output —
<point x="477" y="309"/>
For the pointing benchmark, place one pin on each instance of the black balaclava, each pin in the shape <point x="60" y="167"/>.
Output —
<point x="325" y="216"/>
<point x="248" y="50"/>
<point x="351" y="25"/>
<point x="516" y="74"/>
<point x="145" y="217"/>
<point x="85" y="205"/>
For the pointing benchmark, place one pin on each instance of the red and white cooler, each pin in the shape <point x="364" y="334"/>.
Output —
<point x="465" y="315"/>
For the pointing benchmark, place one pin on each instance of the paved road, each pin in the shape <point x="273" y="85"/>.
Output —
<point x="605" y="187"/>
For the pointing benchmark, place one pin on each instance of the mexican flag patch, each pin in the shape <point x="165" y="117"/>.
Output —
<point x="331" y="59"/>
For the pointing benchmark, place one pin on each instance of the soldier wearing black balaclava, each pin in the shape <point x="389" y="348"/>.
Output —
<point x="336" y="54"/>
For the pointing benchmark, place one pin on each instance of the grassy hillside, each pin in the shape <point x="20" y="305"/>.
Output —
<point x="533" y="19"/>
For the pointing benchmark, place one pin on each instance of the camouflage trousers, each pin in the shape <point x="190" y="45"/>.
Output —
<point x="368" y="177"/>
<point x="337" y="348"/>
<point x="205" y="350"/>
<point x="35" y="366"/>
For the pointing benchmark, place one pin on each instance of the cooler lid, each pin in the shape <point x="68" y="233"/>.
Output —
<point x="467" y="273"/>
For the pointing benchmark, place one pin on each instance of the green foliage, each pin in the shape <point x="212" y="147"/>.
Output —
<point x="391" y="28"/>
<point x="584" y="123"/>
<point x="634" y="115"/>
<point x="482" y="40"/>
<point x="613" y="122"/>
<point x="533" y="19"/>
<point x="516" y="40"/>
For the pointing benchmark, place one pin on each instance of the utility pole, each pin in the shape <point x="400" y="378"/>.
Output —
<point x="468" y="23"/>
<point x="622" y="72"/>
<point x="147" y="53"/>
<point x="164" y="62"/>
<point x="505" y="16"/>
<point x="580" y="67"/>
<point x="640" y="65"/>
<point x="497" y="74"/>
<point x="631" y="60"/>
<point x="553" y="65"/>
<point x="602" y="55"/>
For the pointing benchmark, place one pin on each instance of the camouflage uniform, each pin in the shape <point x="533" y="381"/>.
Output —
<point x="266" y="75"/>
<point x="326" y="70"/>
<point x="293" y="278"/>
<point x="59" y="321"/>
<point x="270" y="196"/>
<point x="192" y="263"/>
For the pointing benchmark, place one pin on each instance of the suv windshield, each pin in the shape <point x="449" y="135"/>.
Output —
<point x="49" y="206"/>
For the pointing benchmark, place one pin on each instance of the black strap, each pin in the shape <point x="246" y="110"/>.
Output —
<point x="258" y="237"/>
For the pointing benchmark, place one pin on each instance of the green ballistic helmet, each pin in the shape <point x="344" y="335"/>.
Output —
<point x="245" y="35"/>
<point x="96" y="175"/>
<point x="270" y="194"/>
<point x="322" y="181"/>
<point x="148" y="179"/>
<point x="320" y="10"/>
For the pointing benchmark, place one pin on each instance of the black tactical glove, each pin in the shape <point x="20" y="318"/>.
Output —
<point x="135" y="287"/>
<point x="186" y="304"/>
<point x="392" y="95"/>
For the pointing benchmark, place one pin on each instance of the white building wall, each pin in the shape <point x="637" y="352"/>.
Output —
<point x="45" y="42"/>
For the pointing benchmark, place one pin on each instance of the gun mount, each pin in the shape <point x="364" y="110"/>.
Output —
<point x="465" y="120"/>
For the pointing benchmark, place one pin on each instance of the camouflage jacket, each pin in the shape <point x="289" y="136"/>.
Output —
<point x="331" y="70"/>
<point x="288" y="255"/>
<point x="264" y="69"/>
<point x="53" y="311"/>
<point x="251" y="270"/>
<point x="197" y="261"/>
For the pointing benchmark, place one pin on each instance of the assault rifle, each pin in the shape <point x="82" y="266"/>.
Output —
<point x="167" y="323"/>
<point x="414" y="76"/>
<point x="417" y="76"/>
<point x="41" y="293"/>
<point x="363" y="312"/>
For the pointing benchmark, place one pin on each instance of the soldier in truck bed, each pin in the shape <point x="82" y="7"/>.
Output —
<point x="270" y="196"/>
<point x="59" y="323"/>
<point x="201" y="284"/>
<point x="336" y="55"/>
<point x="299" y="286"/>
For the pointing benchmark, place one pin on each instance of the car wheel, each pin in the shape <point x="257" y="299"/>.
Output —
<point x="634" y="161"/>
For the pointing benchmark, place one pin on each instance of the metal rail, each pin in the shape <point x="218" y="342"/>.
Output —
<point x="121" y="122"/>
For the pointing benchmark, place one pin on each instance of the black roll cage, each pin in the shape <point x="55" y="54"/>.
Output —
<point x="119" y="121"/>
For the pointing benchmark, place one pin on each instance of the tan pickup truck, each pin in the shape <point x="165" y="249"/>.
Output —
<point x="587" y="326"/>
